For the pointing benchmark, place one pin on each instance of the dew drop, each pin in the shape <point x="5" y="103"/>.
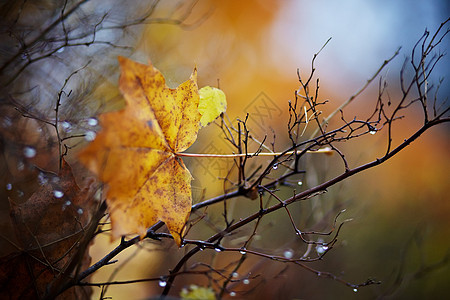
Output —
<point x="245" y="281"/>
<point x="58" y="194"/>
<point x="67" y="127"/>
<point x="372" y="132"/>
<point x="243" y="252"/>
<point x="162" y="283"/>
<point x="319" y="274"/>
<point x="8" y="186"/>
<point x="320" y="249"/>
<point x="60" y="50"/>
<point x="29" y="152"/>
<point x="90" y="136"/>
<point x="275" y="166"/>
<point x="80" y="211"/>
<point x="355" y="290"/>
<point x="288" y="254"/>
<point x="300" y="183"/>
<point x="235" y="274"/>
<point x="218" y="249"/>
<point x="92" y="121"/>
<point x="232" y="294"/>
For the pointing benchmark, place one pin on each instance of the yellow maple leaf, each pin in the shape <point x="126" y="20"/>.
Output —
<point x="135" y="153"/>
<point x="197" y="293"/>
<point x="212" y="103"/>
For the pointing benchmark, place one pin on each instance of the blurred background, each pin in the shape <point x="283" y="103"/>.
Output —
<point x="252" y="49"/>
<point x="400" y="210"/>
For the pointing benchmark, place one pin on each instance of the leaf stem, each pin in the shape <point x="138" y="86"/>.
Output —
<point x="325" y="150"/>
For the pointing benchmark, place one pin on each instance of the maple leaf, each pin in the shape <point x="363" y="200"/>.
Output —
<point x="135" y="153"/>
<point x="212" y="103"/>
<point x="197" y="292"/>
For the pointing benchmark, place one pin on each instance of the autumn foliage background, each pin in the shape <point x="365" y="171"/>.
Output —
<point x="400" y="209"/>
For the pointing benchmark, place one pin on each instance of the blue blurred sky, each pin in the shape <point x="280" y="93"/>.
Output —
<point x="364" y="34"/>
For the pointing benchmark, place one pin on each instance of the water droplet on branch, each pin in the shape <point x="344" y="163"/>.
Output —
<point x="90" y="136"/>
<point x="372" y="130"/>
<point x="66" y="126"/>
<point x="288" y="254"/>
<point x="92" y="121"/>
<point x="58" y="194"/>
<point x="162" y="283"/>
<point x="29" y="152"/>
<point x="320" y="249"/>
